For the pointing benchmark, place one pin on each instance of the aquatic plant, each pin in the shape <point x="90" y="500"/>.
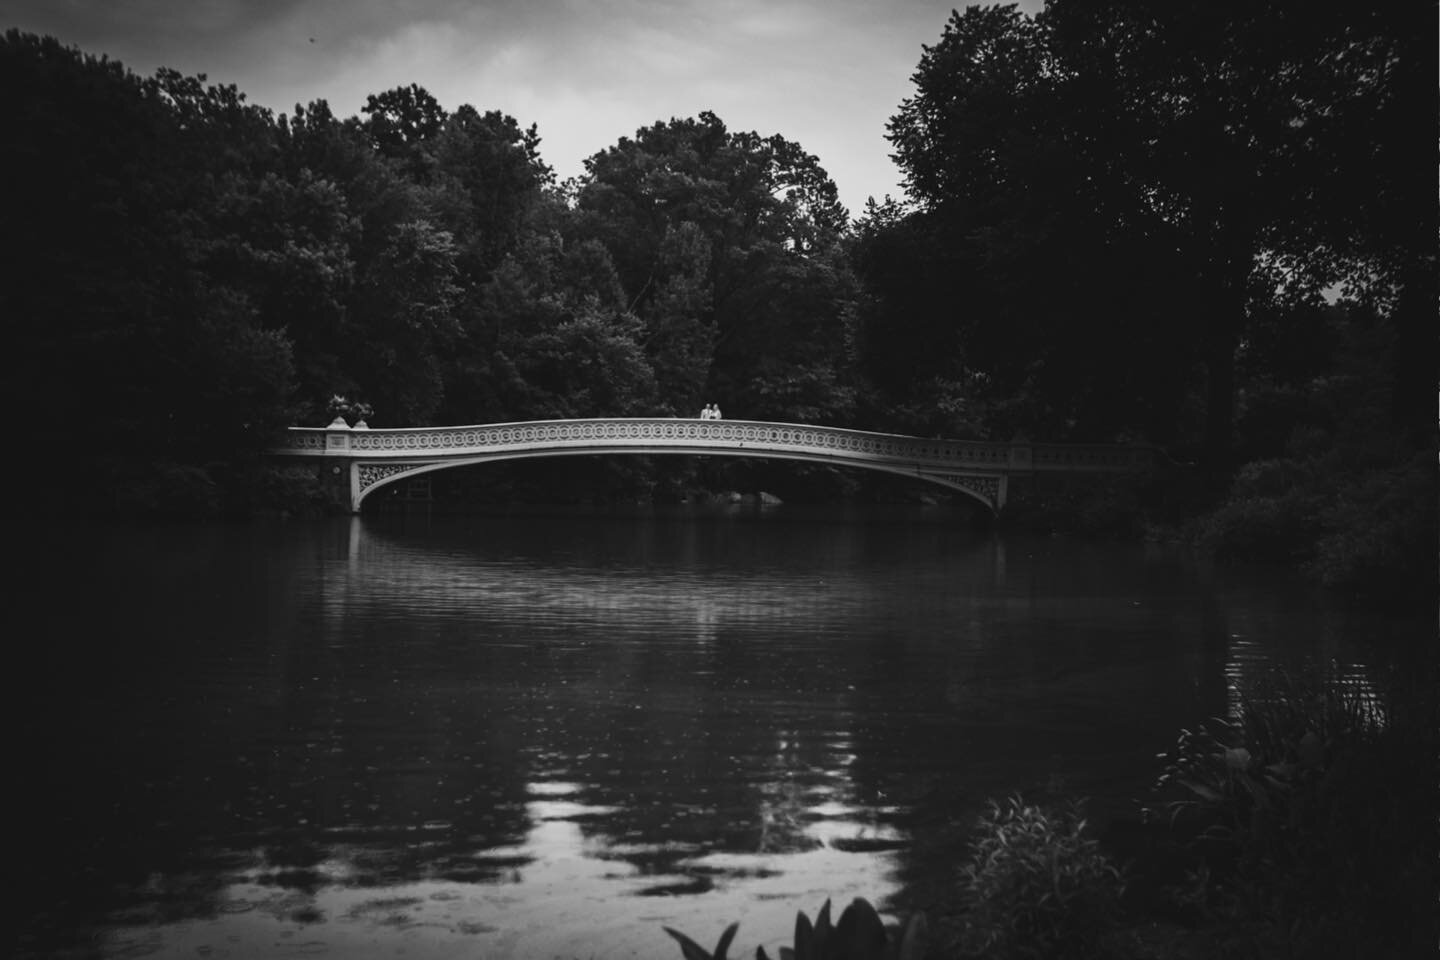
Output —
<point x="1036" y="884"/>
<point x="859" y="935"/>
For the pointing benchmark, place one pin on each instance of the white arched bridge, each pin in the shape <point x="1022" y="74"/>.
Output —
<point x="371" y="459"/>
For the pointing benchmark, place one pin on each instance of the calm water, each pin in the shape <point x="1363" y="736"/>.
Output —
<point x="546" y="734"/>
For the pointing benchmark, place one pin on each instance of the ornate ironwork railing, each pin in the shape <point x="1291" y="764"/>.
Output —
<point x="730" y="435"/>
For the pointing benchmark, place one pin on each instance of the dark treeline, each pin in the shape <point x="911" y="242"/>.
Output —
<point x="1209" y="226"/>
<point x="191" y="273"/>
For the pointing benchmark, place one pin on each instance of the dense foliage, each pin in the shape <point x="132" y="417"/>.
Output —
<point x="1208" y="226"/>
<point x="1117" y="204"/>
<point x="193" y="273"/>
<point x="1211" y="226"/>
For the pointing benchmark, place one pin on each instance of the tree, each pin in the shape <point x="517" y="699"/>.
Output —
<point x="1019" y="277"/>
<point x="398" y="123"/>
<point x="117" y="321"/>
<point x="404" y="324"/>
<point x="557" y="345"/>
<point x="679" y="336"/>
<point x="488" y="174"/>
<point x="1253" y="147"/>
<point x="724" y="245"/>
<point x="1198" y="139"/>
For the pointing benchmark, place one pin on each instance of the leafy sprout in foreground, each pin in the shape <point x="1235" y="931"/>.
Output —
<point x="859" y="935"/>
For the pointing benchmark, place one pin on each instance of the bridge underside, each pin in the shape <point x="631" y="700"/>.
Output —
<point x="368" y="476"/>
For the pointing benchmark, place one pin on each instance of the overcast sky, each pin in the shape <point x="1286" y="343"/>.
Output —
<point x="825" y="73"/>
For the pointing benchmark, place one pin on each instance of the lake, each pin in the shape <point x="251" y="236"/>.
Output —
<point x="549" y="732"/>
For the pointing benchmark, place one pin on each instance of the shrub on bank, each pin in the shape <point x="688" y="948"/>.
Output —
<point x="162" y="490"/>
<point x="1273" y="512"/>
<point x="1365" y="530"/>
<point x="1036" y="884"/>
<point x="1312" y="813"/>
<point x="288" y="491"/>
<point x="1380" y="531"/>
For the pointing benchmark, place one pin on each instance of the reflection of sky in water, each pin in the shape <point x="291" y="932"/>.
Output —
<point x="558" y="888"/>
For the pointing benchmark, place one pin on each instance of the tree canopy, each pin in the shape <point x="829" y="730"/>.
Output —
<point x="1125" y="221"/>
<point x="1131" y="192"/>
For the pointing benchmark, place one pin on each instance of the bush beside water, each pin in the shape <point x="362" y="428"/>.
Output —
<point x="1367" y="530"/>
<point x="1311" y="814"/>
<point x="1037" y="885"/>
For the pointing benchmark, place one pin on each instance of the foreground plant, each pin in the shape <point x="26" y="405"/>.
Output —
<point x="1309" y="810"/>
<point x="693" y="951"/>
<point x="1036" y="884"/>
<point x="859" y="935"/>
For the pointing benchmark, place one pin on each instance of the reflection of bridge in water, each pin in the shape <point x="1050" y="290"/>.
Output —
<point x="364" y="460"/>
<point x="399" y="576"/>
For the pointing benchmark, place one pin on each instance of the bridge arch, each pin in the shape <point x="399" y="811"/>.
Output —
<point x="982" y="489"/>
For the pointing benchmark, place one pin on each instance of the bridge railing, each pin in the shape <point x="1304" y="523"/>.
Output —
<point x="683" y="433"/>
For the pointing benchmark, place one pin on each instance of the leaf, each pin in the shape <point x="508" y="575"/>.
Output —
<point x="823" y="929"/>
<point x="688" y="948"/>
<point x="860" y="931"/>
<point x="724" y="943"/>
<point x="804" y="936"/>
<point x="912" y="941"/>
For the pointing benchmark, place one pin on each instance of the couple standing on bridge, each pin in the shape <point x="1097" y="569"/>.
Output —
<point x="711" y="412"/>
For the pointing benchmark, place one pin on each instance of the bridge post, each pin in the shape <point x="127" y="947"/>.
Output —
<point x="1020" y="466"/>
<point x="337" y="469"/>
<point x="337" y="435"/>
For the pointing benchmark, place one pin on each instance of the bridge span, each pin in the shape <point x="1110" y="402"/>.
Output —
<point x="363" y="460"/>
